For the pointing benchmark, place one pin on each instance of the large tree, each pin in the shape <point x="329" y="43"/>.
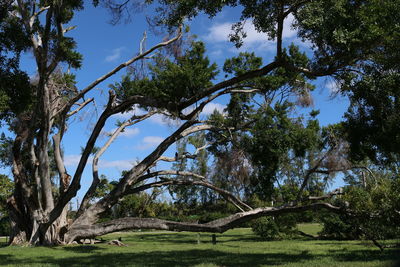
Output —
<point x="343" y="35"/>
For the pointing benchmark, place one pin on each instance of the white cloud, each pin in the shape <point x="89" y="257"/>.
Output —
<point x="73" y="160"/>
<point x="216" y="53"/>
<point x="150" y="142"/>
<point x="210" y="107"/>
<point x="136" y="110"/>
<point x="119" y="164"/>
<point x="115" y="54"/>
<point x="333" y="86"/>
<point x="219" y="33"/>
<point x="288" y="32"/>
<point x="164" y="120"/>
<point x="128" y="132"/>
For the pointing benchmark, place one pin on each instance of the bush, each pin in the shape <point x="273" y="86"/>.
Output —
<point x="338" y="227"/>
<point x="266" y="228"/>
<point x="5" y="226"/>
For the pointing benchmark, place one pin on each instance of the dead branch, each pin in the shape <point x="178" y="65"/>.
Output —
<point x="118" y="68"/>
<point x="81" y="106"/>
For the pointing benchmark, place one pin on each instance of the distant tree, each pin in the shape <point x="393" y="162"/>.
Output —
<point x="6" y="189"/>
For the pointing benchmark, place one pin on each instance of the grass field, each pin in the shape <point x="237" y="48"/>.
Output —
<point x="237" y="247"/>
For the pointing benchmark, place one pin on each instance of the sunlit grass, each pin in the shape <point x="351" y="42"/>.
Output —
<point x="237" y="247"/>
<point x="310" y="228"/>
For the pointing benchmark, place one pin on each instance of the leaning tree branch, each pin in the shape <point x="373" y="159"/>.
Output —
<point x="118" y="68"/>
<point x="75" y="184"/>
<point x="131" y="177"/>
<point x="95" y="170"/>
<point x="216" y="226"/>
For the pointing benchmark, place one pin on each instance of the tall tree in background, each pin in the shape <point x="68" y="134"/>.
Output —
<point x="345" y="35"/>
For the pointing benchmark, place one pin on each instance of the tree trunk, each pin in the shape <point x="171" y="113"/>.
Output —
<point x="29" y="231"/>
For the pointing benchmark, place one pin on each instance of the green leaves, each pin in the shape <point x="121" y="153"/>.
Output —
<point x="171" y="82"/>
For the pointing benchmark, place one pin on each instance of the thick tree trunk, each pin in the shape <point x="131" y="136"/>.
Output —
<point x="19" y="234"/>
<point x="29" y="231"/>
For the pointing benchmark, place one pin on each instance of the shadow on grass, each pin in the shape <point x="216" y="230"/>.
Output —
<point x="194" y="257"/>
<point x="83" y="249"/>
<point x="190" y="238"/>
<point x="162" y="258"/>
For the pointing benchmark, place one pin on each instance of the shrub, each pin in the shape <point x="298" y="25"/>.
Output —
<point x="266" y="228"/>
<point x="5" y="226"/>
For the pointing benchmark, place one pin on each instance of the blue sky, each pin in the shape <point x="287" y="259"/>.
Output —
<point x="105" y="46"/>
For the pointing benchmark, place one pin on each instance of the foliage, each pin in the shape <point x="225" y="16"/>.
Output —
<point x="371" y="121"/>
<point x="266" y="228"/>
<point x="15" y="94"/>
<point x="188" y="75"/>
<point x="338" y="227"/>
<point x="5" y="226"/>
<point x="373" y="212"/>
<point x="6" y="189"/>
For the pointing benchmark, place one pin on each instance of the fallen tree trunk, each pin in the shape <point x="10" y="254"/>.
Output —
<point x="81" y="231"/>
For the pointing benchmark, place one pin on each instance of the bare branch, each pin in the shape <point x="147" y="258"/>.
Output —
<point x="81" y="106"/>
<point x="244" y="91"/>
<point x="121" y="66"/>
<point x="89" y="194"/>
<point x="185" y="155"/>
<point x="34" y="16"/>
<point x="75" y="184"/>
<point x="142" y="43"/>
<point x="62" y="172"/>
<point x="309" y="173"/>
<point x="68" y="29"/>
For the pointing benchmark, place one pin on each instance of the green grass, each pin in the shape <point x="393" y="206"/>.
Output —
<point x="237" y="247"/>
<point x="310" y="228"/>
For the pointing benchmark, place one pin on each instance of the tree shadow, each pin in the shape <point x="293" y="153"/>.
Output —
<point x="190" y="238"/>
<point x="194" y="257"/>
<point x="83" y="248"/>
<point x="163" y="258"/>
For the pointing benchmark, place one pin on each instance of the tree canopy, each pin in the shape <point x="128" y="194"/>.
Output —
<point x="258" y="144"/>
